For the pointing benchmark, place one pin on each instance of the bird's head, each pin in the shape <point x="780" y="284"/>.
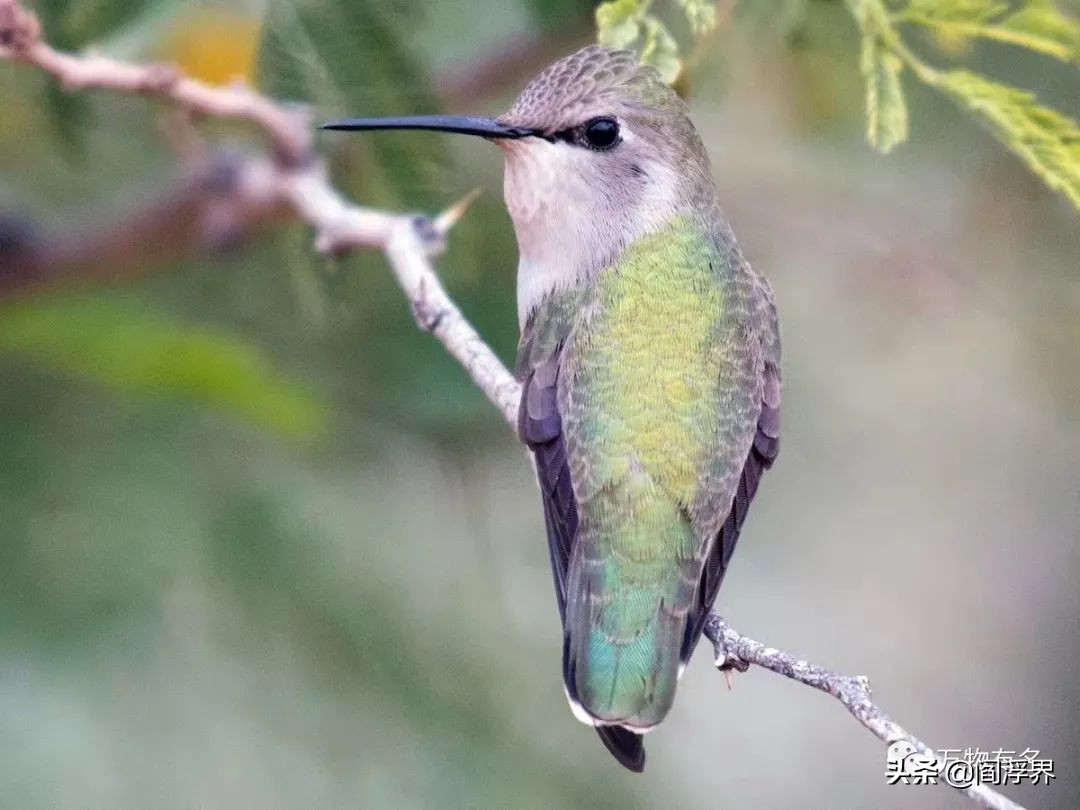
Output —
<point x="599" y="151"/>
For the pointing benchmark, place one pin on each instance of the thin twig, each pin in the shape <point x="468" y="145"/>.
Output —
<point x="220" y="205"/>
<point x="285" y="127"/>
<point x="734" y="651"/>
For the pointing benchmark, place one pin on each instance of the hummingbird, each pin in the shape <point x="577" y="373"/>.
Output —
<point x="649" y="361"/>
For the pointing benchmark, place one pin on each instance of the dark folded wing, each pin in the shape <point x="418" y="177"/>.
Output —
<point x="540" y="427"/>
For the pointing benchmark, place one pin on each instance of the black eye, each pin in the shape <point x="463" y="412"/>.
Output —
<point x="602" y="133"/>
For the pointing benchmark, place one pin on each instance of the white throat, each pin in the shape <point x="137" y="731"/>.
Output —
<point x="570" y="220"/>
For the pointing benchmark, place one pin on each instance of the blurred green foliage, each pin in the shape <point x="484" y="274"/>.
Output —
<point x="132" y="349"/>
<point x="300" y="59"/>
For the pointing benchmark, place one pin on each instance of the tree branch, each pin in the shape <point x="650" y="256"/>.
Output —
<point x="734" y="651"/>
<point x="20" y="39"/>
<point x="228" y="197"/>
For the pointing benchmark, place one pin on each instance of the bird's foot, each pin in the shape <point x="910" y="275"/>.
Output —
<point x="728" y="662"/>
<point x="725" y="658"/>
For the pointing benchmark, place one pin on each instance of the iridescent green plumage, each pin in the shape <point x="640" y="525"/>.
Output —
<point x="659" y="384"/>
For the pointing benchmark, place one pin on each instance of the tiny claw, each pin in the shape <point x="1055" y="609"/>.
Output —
<point x="727" y="678"/>
<point x="727" y="662"/>
<point x="452" y="215"/>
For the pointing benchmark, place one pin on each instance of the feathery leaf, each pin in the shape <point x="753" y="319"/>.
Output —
<point x="701" y="14"/>
<point x="618" y="23"/>
<point x="886" y="108"/>
<point x="624" y="23"/>
<point x="660" y="49"/>
<point x="881" y="66"/>
<point x="1037" y="25"/>
<point x="1046" y="140"/>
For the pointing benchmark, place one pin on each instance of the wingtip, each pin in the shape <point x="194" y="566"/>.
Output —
<point x="627" y="747"/>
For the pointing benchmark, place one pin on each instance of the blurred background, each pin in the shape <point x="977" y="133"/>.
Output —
<point x="309" y="570"/>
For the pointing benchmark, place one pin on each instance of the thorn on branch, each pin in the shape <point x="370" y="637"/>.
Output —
<point x="452" y="215"/>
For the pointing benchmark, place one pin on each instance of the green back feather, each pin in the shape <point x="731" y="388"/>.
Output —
<point x="653" y="373"/>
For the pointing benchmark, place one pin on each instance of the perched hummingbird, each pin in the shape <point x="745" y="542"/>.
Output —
<point x="650" y="365"/>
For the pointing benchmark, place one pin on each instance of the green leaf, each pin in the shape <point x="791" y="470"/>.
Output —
<point x="886" y="108"/>
<point x="701" y="14"/>
<point x="618" y="23"/>
<point x="1046" y="140"/>
<point x="955" y="10"/>
<point x="132" y="350"/>
<point x="1038" y="25"/>
<point x="660" y="49"/>
<point x="621" y="23"/>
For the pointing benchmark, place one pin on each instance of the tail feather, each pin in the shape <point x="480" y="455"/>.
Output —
<point x="632" y="681"/>
<point x="626" y="746"/>
<point x="630" y="588"/>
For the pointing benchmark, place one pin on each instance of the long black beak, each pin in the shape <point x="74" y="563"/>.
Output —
<point x="461" y="124"/>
